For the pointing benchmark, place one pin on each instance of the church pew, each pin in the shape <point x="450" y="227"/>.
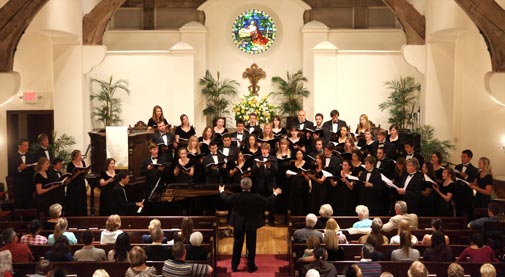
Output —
<point x="18" y="226"/>
<point x="399" y="269"/>
<point x="140" y="222"/>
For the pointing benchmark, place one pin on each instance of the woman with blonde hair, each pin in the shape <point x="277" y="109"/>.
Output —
<point x="487" y="270"/>
<point x="405" y="252"/>
<point x="404" y="226"/>
<point x="193" y="146"/>
<point x="60" y="229"/>
<point x="45" y="191"/>
<point x="156" y="117"/>
<point x="55" y="212"/>
<point x="112" y="225"/>
<point x="184" y="131"/>
<point x="483" y="185"/>
<point x="332" y="225"/>
<point x="76" y="199"/>
<point x="363" y="125"/>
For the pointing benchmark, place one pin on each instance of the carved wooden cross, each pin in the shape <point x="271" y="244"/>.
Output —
<point x="254" y="74"/>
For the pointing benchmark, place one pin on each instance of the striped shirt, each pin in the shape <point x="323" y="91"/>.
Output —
<point x="176" y="268"/>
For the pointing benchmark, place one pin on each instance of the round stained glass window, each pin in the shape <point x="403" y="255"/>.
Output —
<point x="254" y="31"/>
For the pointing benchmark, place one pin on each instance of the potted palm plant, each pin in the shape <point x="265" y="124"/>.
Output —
<point x="109" y="108"/>
<point x="292" y="91"/>
<point x="217" y="92"/>
<point x="430" y="144"/>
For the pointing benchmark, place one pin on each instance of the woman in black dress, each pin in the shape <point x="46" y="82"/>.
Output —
<point x="443" y="203"/>
<point x="268" y="137"/>
<point x="206" y="139"/>
<point x="45" y="193"/>
<point x="484" y="185"/>
<point x="284" y="159"/>
<point x="183" y="169"/>
<point x="219" y="131"/>
<point x="183" y="132"/>
<point x="340" y="194"/>
<point x="427" y="195"/>
<point x="317" y="196"/>
<point x="156" y="117"/>
<point x="296" y="142"/>
<point x="356" y="162"/>
<point x="251" y="149"/>
<point x="436" y="161"/>
<point x="76" y="200"/>
<point x="299" y="184"/>
<point x="277" y="129"/>
<point x="239" y="168"/>
<point x="106" y="185"/>
<point x="196" y="157"/>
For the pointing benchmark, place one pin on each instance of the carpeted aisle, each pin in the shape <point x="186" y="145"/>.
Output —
<point x="268" y="266"/>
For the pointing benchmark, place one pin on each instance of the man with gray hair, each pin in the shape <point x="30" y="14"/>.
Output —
<point x="367" y="266"/>
<point x="20" y="251"/>
<point x="401" y="214"/>
<point x="246" y="217"/>
<point x="412" y="185"/>
<point x="302" y="235"/>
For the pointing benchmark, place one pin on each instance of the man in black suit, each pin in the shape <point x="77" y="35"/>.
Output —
<point x="302" y="122"/>
<point x="372" y="190"/>
<point x="21" y="169"/>
<point x="240" y="136"/>
<point x="119" y="203"/>
<point x="318" y="148"/>
<point x="412" y="185"/>
<point x="246" y="218"/>
<point x="331" y="161"/>
<point x="253" y="128"/>
<point x="214" y="164"/>
<point x="44" y="149"/>
<point x="332" y="127"/>
<point x="165" y="141"/>
<point x="385" y="165"/>
<point x="381" y="142"/>
<point x="410" y="152"/>
<point x="463" y="195"/>
<point x="264" y="174"/>
<point x="154" y="168"/>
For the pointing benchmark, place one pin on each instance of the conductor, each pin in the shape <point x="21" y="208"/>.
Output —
<point x="246" y="217"/>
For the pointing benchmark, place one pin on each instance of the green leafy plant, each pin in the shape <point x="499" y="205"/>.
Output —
<point x="62" y="146"/>
<point x="430" y="144"/>
<point x="109" y="109"/>
<point x="216" y="91"/>
<point x="401" y="102"/>
<point x="292" y="91"/>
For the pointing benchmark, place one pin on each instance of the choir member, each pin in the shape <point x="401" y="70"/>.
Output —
<point x="302" y="122"/>
<point x="183" y="132"/>
<point x="45" y="187"/>
<point x="483" y="185"/>
<point x="264" y="176"/>
<point x="341" y="195"/>
<point x="277" y="129"/>
<point x="251" y="149"/>
<point x="410" y="152"/>
<point x="295" y="141"/>
<point x="22" y="171"/>
<point x="155" y="169"/>
<point x="363" y="125"/>
<point x="284" y="158"/>
<point x="183" y="169"/>
<point x="436" y="161"/>
<point x="371" y="189"/>
<point x="268" y="137"/>
<point x="165" y="141"/>
<point x="317" y="196"/>
<point x="381" y="142"/>
<point x="230" y="153"/>
<point x="214" y="165"/>
<point x="298" y="184"/>
<point x="240" y="136"/>
<point x="119" y="202"/>
<point x="156" y="117"/>
<point x="219" y="131"/>
<point x="196" y="156"/>
<point x="318" y="149"/>
<point x="357" y="165"/>
<point x="241" y="168"/>
<point x="44" y="150"/>
<point x="463" y="196"/>
<point x="366" y="143"/>
<point x="411" y="186"/>
<point x="55" y="173"/>
<point x="428" y="195"/>
<point x="107" y="183"/>
<point x="320" y="132"/>
<point x="385" y="165"/>
<point x="206" y="139"/>
<point x="443" y="202"/>
<point x="349" y="146"/>
<point x="193" y="147"/>
<point x="331" y="162"/>
<point x="400" y="169"/>
<point x="333" y="126"/>
<point x="76" y="200"/>
<point x="394" y="136"/>
<point x="253" y="128"/>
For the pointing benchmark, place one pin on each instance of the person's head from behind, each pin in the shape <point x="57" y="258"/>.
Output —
<point x="87" y="237"/>
<point x="35" y="227"/>
<point x="43" y="267"/>
<point x="437" y="240"/>
<point x="60" y="227"/>
<point x="487" y="270"/>
<point x="55" y="211"/>
<point x="5" y="262"/>
<point x="376" y="225"/>
<point x="400" y="207"/>
<point x="367" y="251"/>
<point x="113" y="223"/>
<point x="196" y="239"/>
<point x="154" y="224"/>
<point x="493" y="209"/>
<point x="186" y="227"/>
<point x="417" y="269"/>
<point x="246" y="184"/>
<point x="58" y="272"/>
<point x="313" y="242"/>
<point x="326" y="211"/>
<point x="179" y="251"/>
<point x="100" y="273"/>
<point x="320" y="253"/>
<point x="122" y="247"/>
<point x="353" y="271"/>
<point x="375" y="240"/>
<point x="403" y="226"/>
<point x="9" y="236"/>
<point x="137" y="256"/>
<point x="362" y="212"/>
<point x="61" y="247"/>
<point x="312" y="273"/>
<point x="157" y="235"/>
<point x="437" y="224"/>
<point x="310" y="220"/>
<point x="455" y="270"/>
<point x="332" y="225"/>
<point x="476" y="239"/>
<point x="405" y="241"/>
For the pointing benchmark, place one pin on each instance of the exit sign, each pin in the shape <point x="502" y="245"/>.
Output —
<point x="30" y="97"/>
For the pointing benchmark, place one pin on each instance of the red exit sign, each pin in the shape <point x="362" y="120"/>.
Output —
<point x="30" y="97"/>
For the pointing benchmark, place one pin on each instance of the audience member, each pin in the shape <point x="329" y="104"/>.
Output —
<point x="5" y="263"/>
<point x="332" y="240"/>
<point x="405" y="252"/>
<point x="376" y="231"/>
<point x="364" y="221"/>
<point x="112" y="225"/>
<point x="376" y="255"/>
<point x="455" y="270"/>
<point x="186" y="230"/>
<point x="101" y="273"/>
<point x="438" y="225"/>
<point x="42" y="269"/>
<point x="179" y="267"/>
<point x="54" y="214"/>
<point x="153" y="225"/>
<point x="438" y="251"/>
<point x="401" y="213"/>
<point x="19" y="251"/>
<point x="493" y="211"/>
<point x="487" y="270"/>
<point x="60" y="251"/>
<point x="387" y="274"/>
<point x="157" y="251"/>
<point x="325" y="212"/>
<point x="301" y="235"/>
<point x="417" y="269"/>
<point x="312" y="243"/>
<point x="312" y="273"/>
<point x="477" y="252"/>
<point x="89" y="252"/>
<point x="196" y="252"/>
<point x="404" y="226"/>
<point x="353" y="271"/>
<point x="60" y="229"/>
<point x="320" y="264"/>
<point x="121" y="248"/>
<point x="138" y="267"/>
<point x="33" y="237"/>
<point x="368" y="267"/>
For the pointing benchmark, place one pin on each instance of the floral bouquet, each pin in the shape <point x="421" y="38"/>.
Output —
<point x="254" y="104"/>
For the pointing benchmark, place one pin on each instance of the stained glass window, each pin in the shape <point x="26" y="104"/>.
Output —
<point x="254" y="31"/>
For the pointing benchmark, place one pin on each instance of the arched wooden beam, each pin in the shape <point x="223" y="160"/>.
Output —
<point x="15" y="16"/>
<point x="413" y="22"/>
<point x="489" y="18"/>
<point x="95" y="22"/>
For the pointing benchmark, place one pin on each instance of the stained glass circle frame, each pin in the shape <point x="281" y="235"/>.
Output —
<point x="254" y="31"/>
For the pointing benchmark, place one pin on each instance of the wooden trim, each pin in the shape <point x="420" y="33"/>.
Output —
<point x="413" y="22"/>
<point x="95" y="22"/>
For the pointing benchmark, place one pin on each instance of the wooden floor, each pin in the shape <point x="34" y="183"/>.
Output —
<point x="270" y="240"/>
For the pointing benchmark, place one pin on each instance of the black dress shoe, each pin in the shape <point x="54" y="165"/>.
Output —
<point x="252" y="269"/>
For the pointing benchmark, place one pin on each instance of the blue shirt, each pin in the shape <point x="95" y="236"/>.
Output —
<point x="364" y="223"/>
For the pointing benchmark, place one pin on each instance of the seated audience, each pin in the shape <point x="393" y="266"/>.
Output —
<point x="417" y="269"/>
<point x="19" y="251"/>
<point x="153" y="225"/>
<point x="325" y="211"/>
<point x="376" y="231"/>
<point x="401" y="213"/>
<point x="368" y="267"/>
<point x="121" y="248"/>
<point x="33" y="237"/>
<point x="179" y="267"/>
<point x="54" y="214"/>
<point x="320" y="264"/>
<point x="312" y="273"/>
<point x="301" y="235"/>
<point x="477" y="252"/>
<point x="332" y="225"/>
<point x="157" y="251"/>
<point x="186" y="230"/>
<point x="312" y="243"/>
<point x="138" y="267"/>
<point x="60" y="229"/>
<point x="493" y="211"/>
<point x="353" y="271"/>
<point x="438" y="251"/>
<point x="404" y="226"/>
<point x="455" y="270"/>
<point x="42" y="268"/>
<point x="376" y="255"/>
<point x="437" y="225"/>
<point x="101" y="273"/>
<point x="89" y="252"/>
<point x="112" y="225"/>
<point x="331" y="240"/>
<point x="5" y="263"/>
<point x="196" y="252"/>
<point x="405" y="252"/>
<point x="364" y="221"/>
<point x="387" y="274"/>
<point x="60" y="251"/>
<point x="487" y="270"/>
